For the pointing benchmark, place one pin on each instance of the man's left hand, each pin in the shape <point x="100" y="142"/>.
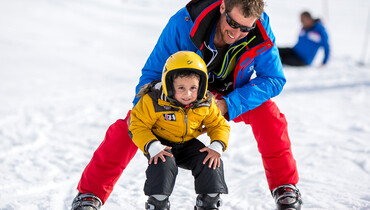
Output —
<point x="221" y="104"/>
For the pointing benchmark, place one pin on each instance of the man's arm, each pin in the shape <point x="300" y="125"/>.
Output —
<point x="325" y="44"/>
<point x="268" y="83"/>
<point x="174" y="37"/>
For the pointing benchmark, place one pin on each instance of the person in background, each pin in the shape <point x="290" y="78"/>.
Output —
<point x="312" y="37"/>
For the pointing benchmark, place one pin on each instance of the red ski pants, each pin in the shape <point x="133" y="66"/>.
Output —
<point x="269" y="128"/>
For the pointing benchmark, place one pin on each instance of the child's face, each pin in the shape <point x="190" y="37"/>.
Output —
<point x="186" y="89"/>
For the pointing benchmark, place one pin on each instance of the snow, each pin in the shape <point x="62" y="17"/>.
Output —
<point x="68" y="70"/>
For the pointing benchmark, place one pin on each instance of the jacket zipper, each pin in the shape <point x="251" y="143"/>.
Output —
<point x="214" y="54"/>
<point x="186" y="125"/>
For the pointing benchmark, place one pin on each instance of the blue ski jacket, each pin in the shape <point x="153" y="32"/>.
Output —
<point x="191" y="28"/>
<point x="309" y="42"/>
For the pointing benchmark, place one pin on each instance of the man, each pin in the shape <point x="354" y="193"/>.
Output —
<point x="234" y="39"/>
<point x="313" y="36"/>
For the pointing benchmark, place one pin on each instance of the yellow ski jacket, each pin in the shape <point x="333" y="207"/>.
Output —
<point x="154" y="115"/>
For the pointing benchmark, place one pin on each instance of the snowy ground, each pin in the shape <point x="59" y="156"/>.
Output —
<point x="68" y="70"/>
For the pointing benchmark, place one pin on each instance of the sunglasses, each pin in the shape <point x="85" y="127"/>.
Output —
<point x="233" y="24"/>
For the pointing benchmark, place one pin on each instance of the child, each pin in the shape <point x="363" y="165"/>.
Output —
<point x="165" y="124"/>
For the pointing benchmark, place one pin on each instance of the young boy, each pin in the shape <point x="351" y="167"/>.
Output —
<point x="165" y="124"/>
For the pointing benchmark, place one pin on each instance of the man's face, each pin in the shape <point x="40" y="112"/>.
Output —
<point x="307" y="22"/>
<point x="231" y="35"/>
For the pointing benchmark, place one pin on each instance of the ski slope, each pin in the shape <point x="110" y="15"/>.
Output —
<point x="68" y="69"/>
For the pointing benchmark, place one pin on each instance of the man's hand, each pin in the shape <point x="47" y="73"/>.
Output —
<point x="221" y="104"/>
<point x="128" y="121"/>
<point x="213" y="157"/>
<point x="161" y="155"/>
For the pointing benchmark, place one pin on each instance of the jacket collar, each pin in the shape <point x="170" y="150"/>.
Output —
<point x="205" y="14"/>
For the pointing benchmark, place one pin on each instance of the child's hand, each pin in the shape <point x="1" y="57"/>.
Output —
<point x="213" y="157"/>
<point x="161" y="155"/>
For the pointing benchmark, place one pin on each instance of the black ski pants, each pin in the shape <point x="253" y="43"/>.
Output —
<point x="161" y="177"/>
<point x="289" y="57"/>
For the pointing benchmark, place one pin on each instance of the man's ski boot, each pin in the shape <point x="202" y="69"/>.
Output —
<point x="154" y="204"/>
<point x="86" y="201"/>
<point x="206" y="202"/>
<point x="287" y="197"/>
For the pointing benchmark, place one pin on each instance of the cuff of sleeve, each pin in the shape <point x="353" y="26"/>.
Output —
<point x="155" y="148"/>
<point x="216" y="146"/>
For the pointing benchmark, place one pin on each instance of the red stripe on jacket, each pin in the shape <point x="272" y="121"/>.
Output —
<point x="202" y="15"/>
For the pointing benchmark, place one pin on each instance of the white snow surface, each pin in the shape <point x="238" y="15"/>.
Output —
<point x="68" y="69"/>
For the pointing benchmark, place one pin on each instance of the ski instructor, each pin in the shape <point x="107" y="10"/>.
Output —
<point x="235" y="40"/>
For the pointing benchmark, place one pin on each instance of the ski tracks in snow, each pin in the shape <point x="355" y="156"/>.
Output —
<point x="327" y="111"/>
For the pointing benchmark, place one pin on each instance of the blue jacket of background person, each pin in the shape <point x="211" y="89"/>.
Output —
<point x="192" y="28"/>
<point x="309" y="42"/>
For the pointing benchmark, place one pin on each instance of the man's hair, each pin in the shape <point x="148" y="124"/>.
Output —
<point x="306" y="14"/>
<point x="250" y="8"/>
<point x="185" y="73"/>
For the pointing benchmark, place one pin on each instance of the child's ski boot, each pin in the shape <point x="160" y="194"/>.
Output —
<point x="206" y="202"/>
<point x="287" y="197"/>
<point x="154" y="204"/>
<point x="86" y="201"/>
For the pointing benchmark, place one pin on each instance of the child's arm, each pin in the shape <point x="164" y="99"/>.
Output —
<point x="217" y="128"/>
<point x="142" y="120"/>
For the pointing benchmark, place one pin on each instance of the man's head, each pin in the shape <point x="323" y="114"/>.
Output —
<point x="185" y="77"/>
<point x="238" y="18"/>
<point x="307" y="20"/>
<point x="249" y="8"/>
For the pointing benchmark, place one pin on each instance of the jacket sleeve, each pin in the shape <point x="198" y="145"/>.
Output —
<point x="268" y="83"/>
<point x="217" y="127"/>
<point x="174" y="37"/>
<point x="325" y="44"/>
<point x="143" y="118"/>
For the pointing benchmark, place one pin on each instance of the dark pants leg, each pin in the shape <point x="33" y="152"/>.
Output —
<point x="289" y="57"/>
<point x="161" y="177"/>
<point x="206" y="179"/>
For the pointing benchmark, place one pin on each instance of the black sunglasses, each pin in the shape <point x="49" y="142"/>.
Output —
<point x="233" y="24"/>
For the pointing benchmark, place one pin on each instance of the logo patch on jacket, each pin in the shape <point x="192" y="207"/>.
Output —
<point x="169" y="117"/>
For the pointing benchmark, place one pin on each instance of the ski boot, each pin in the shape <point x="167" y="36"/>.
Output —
<point x="206" y="202"/>
<point x="86" y="201"/>
<point x="154" y="204"/>
<point x="287" y="197"/>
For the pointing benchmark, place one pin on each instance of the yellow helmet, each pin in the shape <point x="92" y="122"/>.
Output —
<point x="184" y="60"/>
